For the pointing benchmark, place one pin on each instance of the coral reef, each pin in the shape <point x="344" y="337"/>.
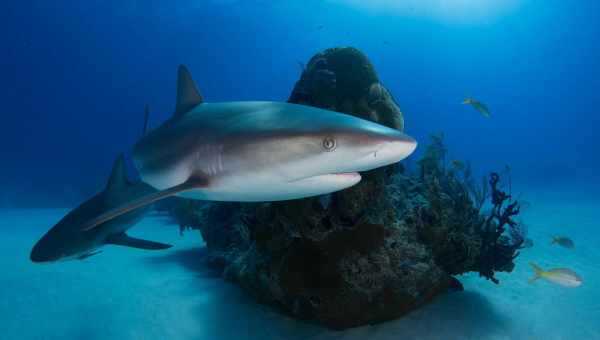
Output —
<point x="371" y="252"/>
<point x="344" y="80"/>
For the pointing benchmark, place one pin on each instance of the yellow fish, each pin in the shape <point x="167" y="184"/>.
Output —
<point x="479" y="106"/>
<point x="562" y="276"/>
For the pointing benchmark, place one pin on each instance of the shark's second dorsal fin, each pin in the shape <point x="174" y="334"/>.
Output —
<point x="188" y="95"/>
<point x="118" y="176"/>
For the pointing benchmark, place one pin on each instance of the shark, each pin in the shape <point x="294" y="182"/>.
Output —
<point x="255" y="151"/>
<point x="66" y="240"/>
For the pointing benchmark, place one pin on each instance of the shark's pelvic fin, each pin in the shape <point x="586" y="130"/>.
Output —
<point x="118" y="176"/>
<point x="128" y="241"/>
<point x="190" y="184"/>
<point x="188" y="95"/>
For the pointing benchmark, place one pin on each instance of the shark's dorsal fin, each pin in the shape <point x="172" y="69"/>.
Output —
<point x="146" y="118"/>
<point x="188" y="95"/>
<point x="118" y="176"/>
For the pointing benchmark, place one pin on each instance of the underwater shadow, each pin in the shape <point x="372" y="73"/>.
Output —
<point x="459" y="315"/>
<point x="225" y="310"/>
<point x="192" y="259"/>
<point x="462" y="315"/>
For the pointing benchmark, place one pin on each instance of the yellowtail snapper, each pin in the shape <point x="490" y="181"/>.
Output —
<point x="561" y="276"/>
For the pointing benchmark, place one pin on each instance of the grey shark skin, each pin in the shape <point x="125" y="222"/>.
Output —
<point x="66" y="240"/>
<point x="257" y="151"/>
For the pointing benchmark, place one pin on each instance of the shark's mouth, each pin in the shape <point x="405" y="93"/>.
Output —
<point x="334" y="177"/>
<point x="347" y="174"/>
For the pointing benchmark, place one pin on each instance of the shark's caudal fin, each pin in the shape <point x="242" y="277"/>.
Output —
<point x="190" y="184"/>
<point x="118" y="175"/>
<point x="537" y="272"/>
<point x="146" y="117"/>
<point x="188" y="95"/>
<point x="128" y="241"/>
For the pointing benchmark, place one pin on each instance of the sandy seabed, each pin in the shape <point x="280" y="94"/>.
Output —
<point x="126" y="293"/>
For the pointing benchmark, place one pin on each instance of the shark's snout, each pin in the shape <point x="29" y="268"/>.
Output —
<point x="46" y="250"/>
<point x="398" y="147"/>
<point x="39" y="253"/>
<point x="386" y="148"/>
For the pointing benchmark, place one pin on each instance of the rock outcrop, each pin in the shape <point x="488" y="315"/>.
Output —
<point x="368" y="253"/>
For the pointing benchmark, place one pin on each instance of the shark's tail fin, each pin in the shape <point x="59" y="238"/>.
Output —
<point x="537" y="272"/>
<point x="554" y="240"/>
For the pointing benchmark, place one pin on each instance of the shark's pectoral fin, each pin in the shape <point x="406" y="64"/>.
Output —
<point x="128" y="241"/>
<point x="85" y="256"/>
<point x="190" y="184"/>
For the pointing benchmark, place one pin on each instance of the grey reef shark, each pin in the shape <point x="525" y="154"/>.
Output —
<point x="253" y="152"/>
<point x="66" y="240"/>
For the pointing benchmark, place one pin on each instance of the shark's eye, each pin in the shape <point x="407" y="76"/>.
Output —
<point x="329" y="144"/>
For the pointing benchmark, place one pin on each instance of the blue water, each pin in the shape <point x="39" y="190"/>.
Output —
<point x="75" y="76"/>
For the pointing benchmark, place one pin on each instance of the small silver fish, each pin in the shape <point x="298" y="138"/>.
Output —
<point x="561" y="276"/>
<point x="563" y="242"/>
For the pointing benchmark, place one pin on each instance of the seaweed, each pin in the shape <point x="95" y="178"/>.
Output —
<point x="478" y="191"/>
<point x="461" y="237"/>
<point x="500" y="250"/>
<point x="456" y="179"/>
<point x="432" y="163"/>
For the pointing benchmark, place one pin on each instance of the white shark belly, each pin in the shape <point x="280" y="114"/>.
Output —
<point x="266" y="189"/>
